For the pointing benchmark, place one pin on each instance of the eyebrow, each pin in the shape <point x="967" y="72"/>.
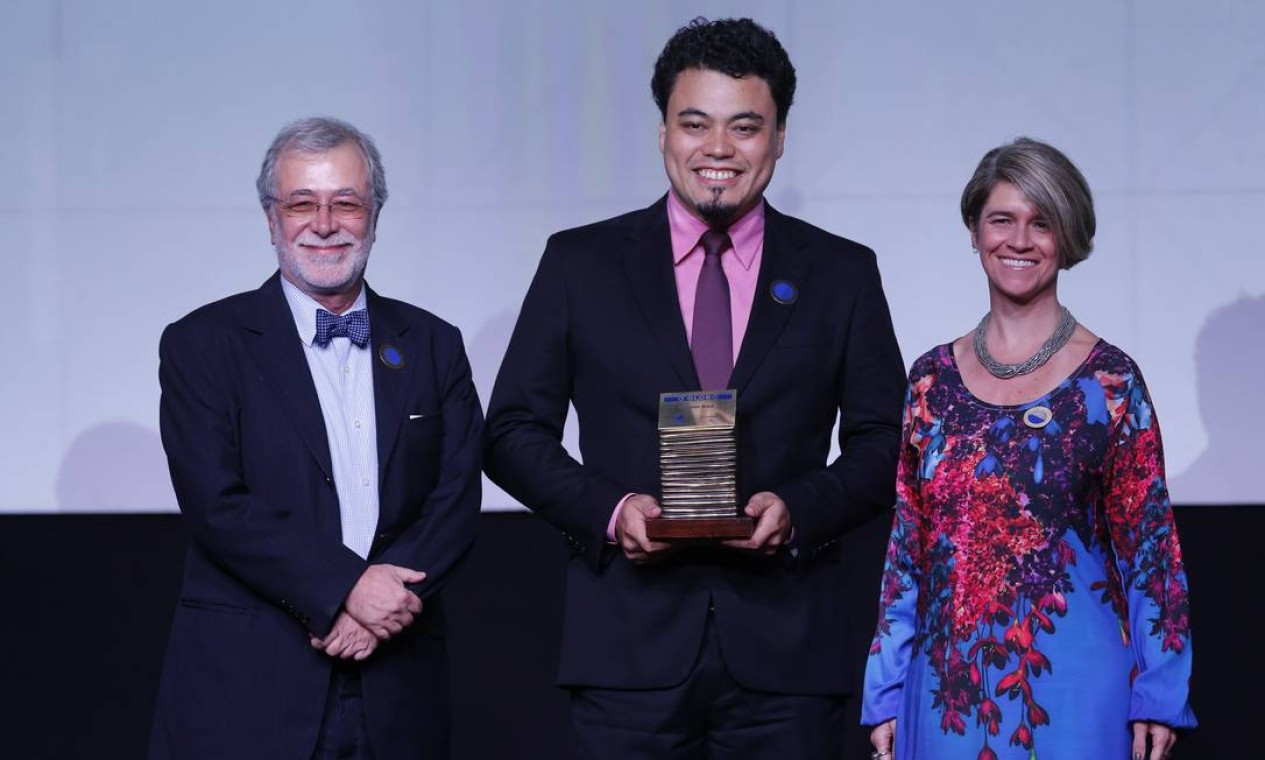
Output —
<point x="690" y="112"/>
<point x="745" y="115"/>
<point x="339" y="193"/>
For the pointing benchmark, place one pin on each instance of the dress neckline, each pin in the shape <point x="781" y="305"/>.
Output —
<point x="948" y="359"/>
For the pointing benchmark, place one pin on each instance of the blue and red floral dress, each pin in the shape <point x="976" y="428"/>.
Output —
<point x="1033" y="600"/>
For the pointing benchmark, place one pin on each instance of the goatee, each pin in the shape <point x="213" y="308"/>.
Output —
<point x="717" y="214"/>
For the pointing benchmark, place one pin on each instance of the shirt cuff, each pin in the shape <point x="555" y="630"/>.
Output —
<point x="610" y="524"/>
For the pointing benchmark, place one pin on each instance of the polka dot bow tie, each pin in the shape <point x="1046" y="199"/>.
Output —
<point x="353" y="325"/>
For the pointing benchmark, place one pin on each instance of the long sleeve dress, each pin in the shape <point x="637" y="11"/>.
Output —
<point x="1033" y="598"/>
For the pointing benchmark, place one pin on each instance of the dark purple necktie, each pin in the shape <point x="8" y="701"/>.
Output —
<point x="712" y="342"/>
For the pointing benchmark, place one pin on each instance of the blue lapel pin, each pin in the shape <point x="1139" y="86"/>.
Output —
<point x="391" y="356"/>
<point x="784" y="291"/>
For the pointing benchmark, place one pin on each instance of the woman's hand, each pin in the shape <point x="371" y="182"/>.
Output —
<point x="1162" y="740"/>
<point x="883" y="737"/>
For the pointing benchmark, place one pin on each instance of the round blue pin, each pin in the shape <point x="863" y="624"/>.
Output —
<point x="784" y="291"/>
<point x="391" y="356"/>
<point x="1037" y="417"/>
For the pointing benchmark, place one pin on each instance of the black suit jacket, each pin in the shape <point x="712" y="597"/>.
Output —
<point x="250" y="462"/>
<point x="601" y="328"/>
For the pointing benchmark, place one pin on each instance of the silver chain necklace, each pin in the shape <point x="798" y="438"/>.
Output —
<point x="1062" y="333"/>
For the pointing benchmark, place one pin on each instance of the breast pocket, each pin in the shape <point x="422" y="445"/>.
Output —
<point x="210" y="606"/>
<point x="423" y="442"/>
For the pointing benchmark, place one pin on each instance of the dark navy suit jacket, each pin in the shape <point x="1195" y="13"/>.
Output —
<point x="250" y="462"/>
<point x="601" y="328"/>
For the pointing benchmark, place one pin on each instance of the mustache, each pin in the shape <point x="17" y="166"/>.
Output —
<point x="341" y="237"/>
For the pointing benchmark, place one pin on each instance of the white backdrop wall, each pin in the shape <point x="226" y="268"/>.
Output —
<point x="133" y="130"/>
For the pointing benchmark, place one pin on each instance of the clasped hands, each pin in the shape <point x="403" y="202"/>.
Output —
<point x="378" y="607"/>
<point x="772" y="528"/>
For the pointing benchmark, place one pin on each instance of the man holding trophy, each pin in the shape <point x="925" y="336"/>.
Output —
<point x="708" y="344"/>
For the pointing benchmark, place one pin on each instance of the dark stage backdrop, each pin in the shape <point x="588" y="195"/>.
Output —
<point x="88" y="600"/>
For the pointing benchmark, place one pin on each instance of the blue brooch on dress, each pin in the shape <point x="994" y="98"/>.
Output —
<point x="1037" y="417"/>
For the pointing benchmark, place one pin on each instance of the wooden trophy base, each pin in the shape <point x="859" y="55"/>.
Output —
<point x="699" y="528"/>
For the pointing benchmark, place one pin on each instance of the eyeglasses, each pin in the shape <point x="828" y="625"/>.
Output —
<point x="344" y="210"/>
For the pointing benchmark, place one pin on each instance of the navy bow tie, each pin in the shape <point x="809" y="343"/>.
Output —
<point x="353" y="325"/>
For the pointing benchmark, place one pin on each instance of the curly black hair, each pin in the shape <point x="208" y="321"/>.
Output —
<point x="737" y="47"/>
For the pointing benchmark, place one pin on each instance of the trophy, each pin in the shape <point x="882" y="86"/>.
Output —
<point x="698" y="459"/>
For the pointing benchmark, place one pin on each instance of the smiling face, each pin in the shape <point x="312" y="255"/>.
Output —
<point x="1017" y="246"/>
<point x="720" y="141"/>
<point x="322" y="254"/>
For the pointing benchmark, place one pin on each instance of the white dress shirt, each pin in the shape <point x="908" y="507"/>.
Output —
<point x="343" y="374"/>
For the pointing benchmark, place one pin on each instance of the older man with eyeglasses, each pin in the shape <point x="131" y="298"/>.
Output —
<point x="324" y="445"/>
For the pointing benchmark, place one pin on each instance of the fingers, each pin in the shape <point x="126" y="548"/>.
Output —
<point x="336" y="642"/>
<point x="1138" y="750"/>
<point x="357" y="644"/>
<point x="391" y="625"/>
<point x="1160" y="737"/>
<point x="347" y="640"/>
<point x="405" y="575"/>
<point x="381" y="602"/>
<point x="337" y="647"/>
<point x="772" y="528"/>
<point x="412" y="604"/>
<point x="381" y="629"/>
<point x="767" y="536"/>
<point x="883" y="737"/>
<point x="759" y="503"/>
<point x="1162" y="740"/>
<point x="630" y="528"/>
<point x="353" y="648"/>
<point x="646" y="505"/>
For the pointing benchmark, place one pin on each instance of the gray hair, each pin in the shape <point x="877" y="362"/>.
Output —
<point x="1050" y="181"/>
<point x="318" y="134"/>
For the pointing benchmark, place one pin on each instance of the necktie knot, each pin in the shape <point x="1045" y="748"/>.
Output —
<point x="353" y="325"/>
<point x="715" y="242"/>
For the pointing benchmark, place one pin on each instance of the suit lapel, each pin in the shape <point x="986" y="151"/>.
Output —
<point x="279" y="355"/>
<point x="649" y="267"/>
<point x="391" y="384"/>
<point x="784" y="258"/>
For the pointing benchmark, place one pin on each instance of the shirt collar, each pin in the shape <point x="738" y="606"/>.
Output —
<point x="303" y="308"/>
<point x="747" y="234"/>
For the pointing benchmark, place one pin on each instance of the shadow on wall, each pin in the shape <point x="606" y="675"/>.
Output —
<point x="115" y="467"/>
<point x="1229" y="366"/>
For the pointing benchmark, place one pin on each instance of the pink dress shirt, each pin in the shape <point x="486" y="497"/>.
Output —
<point x="742" y="269"/>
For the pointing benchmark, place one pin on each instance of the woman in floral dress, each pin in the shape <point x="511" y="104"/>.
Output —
<point x="1034" y="603"/>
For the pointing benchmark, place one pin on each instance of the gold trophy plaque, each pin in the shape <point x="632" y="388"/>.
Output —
<point x="698" y="468"/>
